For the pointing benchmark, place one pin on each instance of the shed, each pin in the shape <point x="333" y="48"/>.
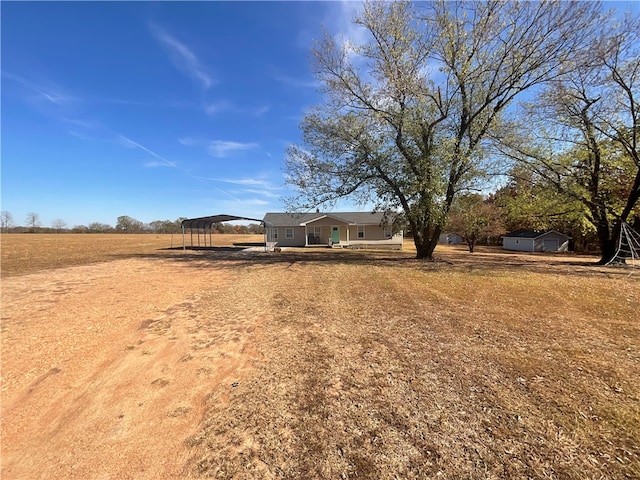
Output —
<point x="450" y="238"/>
<point x="536" y="241"/>
<point x="204" y="225"/>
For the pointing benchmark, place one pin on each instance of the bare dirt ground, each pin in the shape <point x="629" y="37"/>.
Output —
<point x="322" y="364"/>
<point x="106" y="368"/>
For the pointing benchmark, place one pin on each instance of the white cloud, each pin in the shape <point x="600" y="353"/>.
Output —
<point x="160" y="162"/>
<point x="340" y="20"/>
<point x="222" y="149"/>
<point x="256" y="182"/>
<point x="217" y="107"/>
<point x="183" y="58"/>
<point x="50" y="94"/>
<point x="259" y="111"/>
<point x="295" y="82"/>
<point x="79" y="123"/>
<point x="264" y="193"/>
<point x="189" y="141"/>
<point x="261" y="186"/>
<point x="226" y="106"/>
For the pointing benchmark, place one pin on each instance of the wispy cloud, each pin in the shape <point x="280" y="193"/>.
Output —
<point x="222" y="149"/>
<point x="183" y="58"/>
<point x="249" y="181"/>
<point x="217" y="107"/>
<point x="77" y="122"/>
<point x="48" y="93"/>
<point x="264" y="193"/>
<point x="295" y="81"/>
<point x="189" y="141"/>
<point x="226" y="106"/>
<point x="265" y="186"/>
<point x="160" y="160"/>
<point x="259" y="111"/>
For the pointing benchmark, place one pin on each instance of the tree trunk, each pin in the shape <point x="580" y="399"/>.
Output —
<point x="425" y="243"/>
<point x="609" y="239"/>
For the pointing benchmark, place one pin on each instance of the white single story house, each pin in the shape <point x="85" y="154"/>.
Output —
<point x="536" y="241"/>
<point x="339" y="229"/>
<point x="450" y="238"/>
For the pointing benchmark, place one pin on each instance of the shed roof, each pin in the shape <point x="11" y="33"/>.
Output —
<point x="532" y="233"/>
<point x="298" y="219"/>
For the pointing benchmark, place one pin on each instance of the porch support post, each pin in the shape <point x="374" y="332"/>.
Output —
<point x="306" y="236"/>
<point x="348" y="244"/>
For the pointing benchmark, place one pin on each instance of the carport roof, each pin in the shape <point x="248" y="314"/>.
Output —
<point x="210" y="220"/>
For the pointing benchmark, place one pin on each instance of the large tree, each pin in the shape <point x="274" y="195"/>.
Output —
<point x="58" y="225"/>
<point x="126" y="224"/>
<point x="581" y="136"/>
<point x="406" y="113"/>
<point x="33" y="221"/>
<point x="476" y="218"/>
<point x="6" y="220"/>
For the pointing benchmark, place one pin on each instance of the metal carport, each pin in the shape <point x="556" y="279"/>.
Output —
<point x="205" y="224"/>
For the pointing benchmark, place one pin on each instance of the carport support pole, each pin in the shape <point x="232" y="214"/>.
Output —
<point x="183" y="245"/>
<point x="264" y="226"/>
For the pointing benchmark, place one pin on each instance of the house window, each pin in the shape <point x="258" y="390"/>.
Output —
<point x="360" y="231"/>
<point x="317" y="232"/>
<point x="387" y="232"/>
<point x="288" y="233"/>
<point x="274" y="234"/>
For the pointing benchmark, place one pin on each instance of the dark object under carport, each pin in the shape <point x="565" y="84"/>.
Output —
<point x="205" y="224"/>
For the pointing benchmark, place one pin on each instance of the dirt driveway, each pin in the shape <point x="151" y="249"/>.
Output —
<point x="96" y="358"/>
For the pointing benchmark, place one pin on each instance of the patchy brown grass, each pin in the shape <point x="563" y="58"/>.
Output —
<point x="362" y="364"/>
<point x="28" y="253"/>
<point x="378" y="366"/>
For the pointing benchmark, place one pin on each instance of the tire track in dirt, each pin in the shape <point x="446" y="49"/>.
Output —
<point x="106" y="368"/>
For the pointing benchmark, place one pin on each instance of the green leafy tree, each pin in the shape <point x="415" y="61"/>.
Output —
<point x="475" y="218"/>
<point x="530" y="202"/>
<point x="406" y="114"/>
<point x="582" y="135"/>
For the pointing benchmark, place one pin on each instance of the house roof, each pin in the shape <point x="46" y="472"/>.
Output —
<point x="301" y="219"/>
<point x="532" y="234"/>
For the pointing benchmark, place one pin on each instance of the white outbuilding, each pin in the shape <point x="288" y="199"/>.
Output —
<point x="536" y="241"/>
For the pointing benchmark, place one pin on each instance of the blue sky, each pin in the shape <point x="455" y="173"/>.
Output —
<point x="154" y="110"/>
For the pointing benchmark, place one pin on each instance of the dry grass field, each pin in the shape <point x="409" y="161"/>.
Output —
<point x="27" y="253"/>
<point x="143" y="362"/>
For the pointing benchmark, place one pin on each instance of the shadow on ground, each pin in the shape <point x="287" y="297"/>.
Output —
<point x="485" y="261"/>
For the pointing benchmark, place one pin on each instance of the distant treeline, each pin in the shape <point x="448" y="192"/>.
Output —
<point x="124" y="224"/>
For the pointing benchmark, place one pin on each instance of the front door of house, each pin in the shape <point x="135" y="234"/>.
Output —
<point x="335" y="234"/>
